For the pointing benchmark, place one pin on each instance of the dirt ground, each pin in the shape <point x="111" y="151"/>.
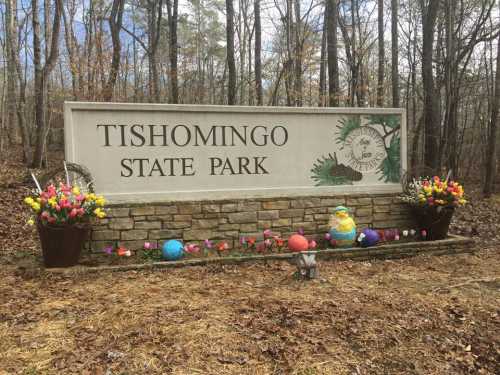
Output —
<point x="422" y="315"/>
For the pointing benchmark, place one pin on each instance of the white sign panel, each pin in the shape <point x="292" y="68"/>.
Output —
<point x="153" y="152"/>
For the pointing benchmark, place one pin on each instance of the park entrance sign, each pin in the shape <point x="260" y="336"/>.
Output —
<point x="154" y="152"/>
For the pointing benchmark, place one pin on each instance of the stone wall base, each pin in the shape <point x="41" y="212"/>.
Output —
<point x="131" y="225"/>
<point x="452" y="245"/>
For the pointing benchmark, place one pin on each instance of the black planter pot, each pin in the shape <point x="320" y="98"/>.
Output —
<point x="62" y="245"/>
<point x="434" y="221"/>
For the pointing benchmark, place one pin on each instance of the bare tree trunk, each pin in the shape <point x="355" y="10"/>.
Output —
<point x="250" y="57"/>
<point x="448" y="143"/>
<point x="242" y="42"/>
<point x="431" y="113"/>
<point x="333" y="64"/>
<point x="154" y="22"/>
<point x="381" y="55"/>
<point x="115" y="25"/>
<point x="11" y="50"/>
<point x="173" y="6"/>
<point x="20" y="87"/>
<point x="69" y="38"/>
<point x="354" y="56"/>
<point x="298" y="58"/>
<point x="322" y="62"/>
<point x="395" y="53"/>
<point x="258" y="46"/>
<point x="288" y="74"/>
<point x="491" y="159"/>
<point x="231" y="89"/>
<point x="42" y="74"/>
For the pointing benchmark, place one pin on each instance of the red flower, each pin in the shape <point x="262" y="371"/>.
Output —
<point x="121" y="251"/>
<point x="280" y="242"/>
<point x="221" y="246"/>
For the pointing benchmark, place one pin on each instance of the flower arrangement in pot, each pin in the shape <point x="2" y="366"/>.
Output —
<point x="62" y="215"/>
<point x="434" y="201"/>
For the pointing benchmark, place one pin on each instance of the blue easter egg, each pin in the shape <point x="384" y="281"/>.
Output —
<point x="172" y="250"/>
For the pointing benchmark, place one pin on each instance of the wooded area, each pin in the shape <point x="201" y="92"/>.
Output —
<point x="437" y="58"/>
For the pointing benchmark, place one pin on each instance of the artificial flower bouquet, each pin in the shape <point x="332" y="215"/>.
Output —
<point x="434" y="192"/>
<point x="433" y="201"/>
<point x="63" y="216"/>
<point x="65" y="205"/>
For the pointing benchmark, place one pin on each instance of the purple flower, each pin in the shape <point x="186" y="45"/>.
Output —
<point x="328" y="236"/>
<point x="108" y="250"/>
<point x="301" y="231"/>
<point x="268" y="243"/>
<point x="243" y="240"/>
<point x="148" y="246"/>
<point x="267" y="233"/>
<point x="208" y="244"/>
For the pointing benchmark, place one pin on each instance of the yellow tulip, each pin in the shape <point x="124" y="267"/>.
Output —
<point x="31" y="221"/>
<point x="100" y="201"/>
<point x="35" y="206"/>
<point x="76" y="190"/>
<point x="28" y="200"/>
<point x="99" y="213"/>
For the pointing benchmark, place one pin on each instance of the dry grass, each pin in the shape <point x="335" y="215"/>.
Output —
<point x="425" y="315"/>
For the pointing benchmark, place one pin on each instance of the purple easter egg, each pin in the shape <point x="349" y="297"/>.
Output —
<point x="371" y="238"/>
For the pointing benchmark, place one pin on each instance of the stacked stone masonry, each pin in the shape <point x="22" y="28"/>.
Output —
<point x="133" y="224"/>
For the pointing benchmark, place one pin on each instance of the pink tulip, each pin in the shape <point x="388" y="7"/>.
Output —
<point x="268" y="243"/>
<point x="267" y="233"/>
<point x="148" y="246"/>
<point x="73" y="212"/>
<point x="312" y="244"/>
<point x="191" y="248"/>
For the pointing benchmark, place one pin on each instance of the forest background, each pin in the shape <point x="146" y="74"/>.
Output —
<point x="438" y="59"/>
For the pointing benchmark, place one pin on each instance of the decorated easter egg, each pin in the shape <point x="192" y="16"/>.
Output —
<point x="172" y="250"/>
<point x="369" y="237"/>
<point x="297" y="243"/>
<point x="343" y="239"/>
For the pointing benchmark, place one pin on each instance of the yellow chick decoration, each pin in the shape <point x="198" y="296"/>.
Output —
<point x="342" y="227"/>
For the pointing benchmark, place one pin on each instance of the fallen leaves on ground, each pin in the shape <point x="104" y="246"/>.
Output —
<point x="423" y="315"/>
